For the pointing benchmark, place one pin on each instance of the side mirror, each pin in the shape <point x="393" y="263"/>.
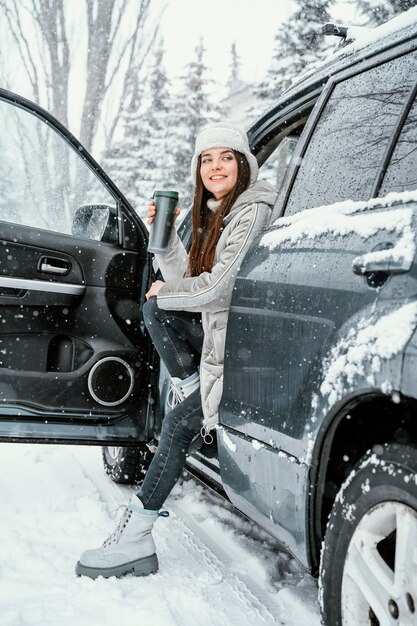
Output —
<point x="96" y="221"/>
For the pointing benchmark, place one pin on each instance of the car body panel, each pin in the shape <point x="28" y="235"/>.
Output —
<point x="267" y="485"/>
<point x="278" y="359"/>
<point x="299" y="321"/>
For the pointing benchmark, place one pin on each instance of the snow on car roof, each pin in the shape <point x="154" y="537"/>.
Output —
<point x="398" y="29"/>
<point x="406" y="21"/>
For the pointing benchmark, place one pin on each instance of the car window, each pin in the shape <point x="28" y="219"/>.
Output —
<point x="348" y="144"/>
<point x="401" y="174"/>
<point x="44" y="182"/>
<point x="274" y="168"/>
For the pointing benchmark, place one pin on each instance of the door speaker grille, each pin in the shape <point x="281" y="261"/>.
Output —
<point x="110" y="381"/>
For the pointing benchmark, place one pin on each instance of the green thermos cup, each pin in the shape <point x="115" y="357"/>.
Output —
<point x="165" y="202"/>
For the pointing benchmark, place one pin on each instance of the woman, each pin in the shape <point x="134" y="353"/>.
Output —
<point x="230" y="207"/>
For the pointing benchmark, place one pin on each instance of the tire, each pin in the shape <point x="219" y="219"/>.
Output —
<point x="368" y="571"/>
<point x="126" y="465"/>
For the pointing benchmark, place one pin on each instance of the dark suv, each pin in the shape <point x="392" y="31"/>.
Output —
<point x="318" y="420"/>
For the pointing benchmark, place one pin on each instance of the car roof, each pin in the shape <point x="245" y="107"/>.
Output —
<point x="393" y="33"/>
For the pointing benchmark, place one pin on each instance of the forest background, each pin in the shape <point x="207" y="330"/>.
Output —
<point x="101" y="68"/>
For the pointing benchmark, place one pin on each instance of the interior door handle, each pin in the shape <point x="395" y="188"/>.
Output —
<point x="53" y="265"/>
<point x="389" y="260"/>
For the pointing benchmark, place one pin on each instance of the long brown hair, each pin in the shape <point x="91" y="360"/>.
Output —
<point x="207" y="224"/>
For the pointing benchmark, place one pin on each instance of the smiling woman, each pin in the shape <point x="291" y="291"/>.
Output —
<point x="218" y="171"/>
<point x="186" y="316"/>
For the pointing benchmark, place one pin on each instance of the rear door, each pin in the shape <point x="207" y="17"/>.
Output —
<point x="302" y="283"/>
<point x="306" y="323"/>
<point x="73" y="272"/>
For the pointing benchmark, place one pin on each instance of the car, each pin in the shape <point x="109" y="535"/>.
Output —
<point x="318" y="419"/>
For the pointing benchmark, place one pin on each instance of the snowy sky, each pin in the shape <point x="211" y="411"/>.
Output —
<point x="252" y="24"/>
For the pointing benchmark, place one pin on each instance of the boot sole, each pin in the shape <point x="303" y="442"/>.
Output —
<point x="140" y="567"/>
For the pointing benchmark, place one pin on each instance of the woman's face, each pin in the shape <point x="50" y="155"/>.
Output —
<point x="218" y="171"/>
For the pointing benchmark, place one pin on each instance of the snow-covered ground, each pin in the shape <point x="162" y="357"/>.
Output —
<point x="215" y="566"/>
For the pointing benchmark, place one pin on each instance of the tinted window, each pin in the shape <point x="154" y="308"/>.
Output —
<point x="348" y="144"/>
<point x="401" y="174"/>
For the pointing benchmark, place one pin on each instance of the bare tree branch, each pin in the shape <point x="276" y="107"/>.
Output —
<point x="40" y="29"/>
<point x="15" y="24"/>
<point x="134" y="65"/>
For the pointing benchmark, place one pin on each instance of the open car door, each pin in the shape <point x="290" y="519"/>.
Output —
<point x="74" y="360"/>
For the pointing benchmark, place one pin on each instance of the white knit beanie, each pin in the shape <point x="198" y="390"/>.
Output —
<point x="223" y="135"/>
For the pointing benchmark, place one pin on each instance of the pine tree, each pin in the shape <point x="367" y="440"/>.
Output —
<point x="377" y="12"/>
<point x="139" y="162"/>
<point x="160" y="128"/>
<point x="234" y="68"/>
<point x="234" y="84"/>
<point x="153" y="169"/>
<point x="298" y="44"/>
<point x="194" y="110"/>
<point x="120" y="159"/>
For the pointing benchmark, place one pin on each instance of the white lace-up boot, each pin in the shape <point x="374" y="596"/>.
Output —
<point x="182" y="388"/>
<point x="130" y="549"/>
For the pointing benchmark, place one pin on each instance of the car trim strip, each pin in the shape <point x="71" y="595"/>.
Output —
<point x="41" y="285"/>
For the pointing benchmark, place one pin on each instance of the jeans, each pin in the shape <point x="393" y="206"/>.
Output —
<point x="178" y="339"/>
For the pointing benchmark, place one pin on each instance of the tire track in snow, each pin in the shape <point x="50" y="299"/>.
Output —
<point x="246" y="585"/>
<point x="192" y="540"/>
<point x="217" y="564"/>
<point x="210" y="553"/>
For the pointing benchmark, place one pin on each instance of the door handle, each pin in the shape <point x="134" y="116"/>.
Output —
<point x="389" y="260"/>
<point x="54" y="265"/>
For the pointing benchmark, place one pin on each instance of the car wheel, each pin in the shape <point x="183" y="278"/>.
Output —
<point x="368" y="571"/>
<point x="126" y="465"/>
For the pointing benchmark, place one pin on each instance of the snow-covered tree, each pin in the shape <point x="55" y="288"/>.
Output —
<point x="153" y="154"/>
<point x="234" y="83"/>
<point x="194" y="108"/>
<point x="234" y="66"/>
<point x="120" y="160"/>
<point x="140" y="160"/>
<point x="298" y="44"/>
<point x="377" y="12"/>
<point x="159" y="130"/>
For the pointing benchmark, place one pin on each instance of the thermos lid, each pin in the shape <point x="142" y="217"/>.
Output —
<point x="167" y="194"/>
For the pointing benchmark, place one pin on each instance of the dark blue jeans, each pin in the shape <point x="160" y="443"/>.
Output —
<point x="178" y="338"/>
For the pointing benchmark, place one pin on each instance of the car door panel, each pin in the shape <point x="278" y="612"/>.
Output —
<point x="308" y="308"/>
<point x="270" y="490"/>
<point x="64" y="323"/>
<point x="72" y="347"/>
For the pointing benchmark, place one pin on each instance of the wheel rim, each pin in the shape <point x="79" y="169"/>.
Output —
<point x="114" y="452"/>
<point x="379" y="585"/>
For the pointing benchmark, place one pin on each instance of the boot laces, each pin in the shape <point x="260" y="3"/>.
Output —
<point x="175" y="396"/>
<point x="115" y="535"/>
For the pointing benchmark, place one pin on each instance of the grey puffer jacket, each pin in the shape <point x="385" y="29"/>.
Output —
<point x="211" y="292"/>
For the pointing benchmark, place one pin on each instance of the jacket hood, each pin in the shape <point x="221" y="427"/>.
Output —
<point x="259" y="191"/>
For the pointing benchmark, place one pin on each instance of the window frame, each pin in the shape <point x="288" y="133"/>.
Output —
<point x="281" y="124"/>
<point x="411" y="99"/>
<point x="132" y="231"/>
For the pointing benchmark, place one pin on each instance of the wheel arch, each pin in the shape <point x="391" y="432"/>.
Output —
<point x="364" y="420"/>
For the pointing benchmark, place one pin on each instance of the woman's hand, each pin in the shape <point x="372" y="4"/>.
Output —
<point x="155" y="287"/>
<point x="152" y="212"/>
